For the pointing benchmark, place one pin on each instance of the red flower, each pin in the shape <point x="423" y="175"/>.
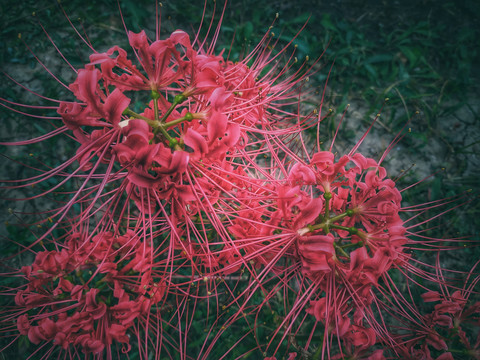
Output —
<point x="73" y="312"/>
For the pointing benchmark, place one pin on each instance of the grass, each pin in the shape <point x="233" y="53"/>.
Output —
<point x="420" y="56"/>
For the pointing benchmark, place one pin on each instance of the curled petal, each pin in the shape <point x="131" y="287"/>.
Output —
<point x="318" y="309"/>
<point x="232" y="135"/>
<point x="315" y="252"/>
<point x="196" y="142"/>
<point x="362" y="337"/>
<point x="358" y="257"/>
<point x="179" y="162"/>
<point x="85" y="88"/>
<point x="322" y="157"/>
<point x="436" y="341"/>
<point x="117" y="332"/>
<point x="220" y="98"/>
<point x="217" y="124"/>
<point x="142" y="179"/>
<point x="23" y="324"/>
<point x="309" y="213"/>
<point x="75" y="115"/>
<point x="431" y="296"/>
<point x="302" y="173"/>
<point x="115" y="104"/>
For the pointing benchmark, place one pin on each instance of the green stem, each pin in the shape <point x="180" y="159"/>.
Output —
<point x="173" y="143"/>
<point x="341" y="251"/>
<point x="346" y="246"/>
<point x="326" y="224"/>
<point x="177" y="100"/>
<point x="351" y="230"/>
<point x="155" y="97"/>
<point x="188" y="117"/>
<point x="341" y="216"/>
<point x="133" y="114"/>
<point x="327" y="196"/>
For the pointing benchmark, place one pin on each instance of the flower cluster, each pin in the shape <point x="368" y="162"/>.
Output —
<point x="452" y="315"/>
<point x="345" y="235"/>
<point x="196" y="200"/>
<point x="89" y="293"/>
<point x="200" y="110"/>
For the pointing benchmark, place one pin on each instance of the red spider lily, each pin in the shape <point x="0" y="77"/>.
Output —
<point x="176" y="159"/>
<point x="342" y="237"/>
<point x="89" y="295"/>
<point x="445" y="328"/>
<point x="215" y="177"/>
<point x="203" y="112"/>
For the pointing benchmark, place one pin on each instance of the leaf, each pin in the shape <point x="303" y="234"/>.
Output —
<point x="370" y="69"/>
<point x="379" y="58"/>
<point x="327" y="22"/>
<point x="412" y="54"/>
<point x="301" y="19"/>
